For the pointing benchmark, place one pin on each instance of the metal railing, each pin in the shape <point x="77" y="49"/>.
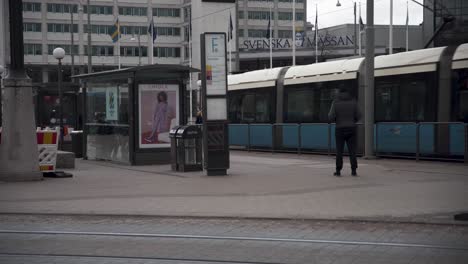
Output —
<point x="424" y="140"/>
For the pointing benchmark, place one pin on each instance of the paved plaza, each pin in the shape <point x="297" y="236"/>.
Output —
<point x="259" y="185"/>
<point x="167" y="240"/>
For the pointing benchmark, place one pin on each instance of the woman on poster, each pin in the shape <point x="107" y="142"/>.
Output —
<point x="160" y="117"/>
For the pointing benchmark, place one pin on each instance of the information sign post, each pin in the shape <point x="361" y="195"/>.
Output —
<point x="214" y="92"/>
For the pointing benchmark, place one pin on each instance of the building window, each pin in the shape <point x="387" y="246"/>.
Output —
<point x="66" y="47"/>
<point x="257" y="33"/>
<point x="99" y="10"/>
<point x="241" y="14"/>
<point x="100" y="50"/>
<point x="284" y="34"/>
<point x="31" y="27"/>
<point x="241" y="33"/>
<point x="32" y="49"/>
<point x="168" y="31"/>
<point x="99" y="29"/>
<point x="31" y="7"/>
<point x="166" y="12"/>
<point x="62" y="8"/>
<point x="133" y="51"/>
<point x="61" y="28"/>
<point x="187" y="14"/>
<point x="167" y="52"/>
<point x="259" y="15"/>
<point x="132" y="11"/>
<point x="288" y="16"/>
<point x="132" y="30"/>
<point x="260" y="0"/>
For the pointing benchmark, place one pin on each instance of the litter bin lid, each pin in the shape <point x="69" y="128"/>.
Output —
<point x="173" y="131"/>
<point x="189" y="132"/>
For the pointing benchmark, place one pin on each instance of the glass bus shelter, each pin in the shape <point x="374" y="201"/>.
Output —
<point x="128" y="113"/>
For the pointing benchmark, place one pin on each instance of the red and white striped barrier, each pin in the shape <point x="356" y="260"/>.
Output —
<point x="47" y="144"/>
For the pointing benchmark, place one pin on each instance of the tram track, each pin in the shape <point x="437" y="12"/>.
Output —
<point x="234" y="238"/>
<point x="175" y="260"/>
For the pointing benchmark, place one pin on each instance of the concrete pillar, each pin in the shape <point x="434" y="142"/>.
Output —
<point x="18" y="150"/>
<point x="19" y="154"/>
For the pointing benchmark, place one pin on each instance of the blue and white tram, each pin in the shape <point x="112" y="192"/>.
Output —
<point x="416" y="94"/>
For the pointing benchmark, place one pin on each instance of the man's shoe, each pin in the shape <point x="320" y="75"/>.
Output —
<point x="354" y="173"/>
<point x="337" y="174"/>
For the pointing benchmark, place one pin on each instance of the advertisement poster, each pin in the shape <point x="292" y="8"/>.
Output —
<point x="158" y="113"/>
<point x="215" y="64"/>
<point x="112" y="104"/>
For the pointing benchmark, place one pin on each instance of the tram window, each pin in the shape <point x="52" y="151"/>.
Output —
<point x="327" y="95"/>
<point x="251" y="106"/>
<point x="461" y="95"/>
<point x="262" y="111"/>
<point x="404" y="98"/>
<point x="311" y="102"/>
<point x="235" y="101"/>
<point x="299" y="108"/>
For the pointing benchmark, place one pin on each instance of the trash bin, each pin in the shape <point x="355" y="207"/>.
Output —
<point x="172" y="136"/>
<point x="189" y="148"/>
<point x="77" y="143"/>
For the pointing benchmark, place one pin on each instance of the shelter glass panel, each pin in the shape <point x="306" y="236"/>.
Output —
<point x="107" y="122"/>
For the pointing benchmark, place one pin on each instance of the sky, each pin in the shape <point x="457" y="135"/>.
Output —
<point x="330" y="15"/>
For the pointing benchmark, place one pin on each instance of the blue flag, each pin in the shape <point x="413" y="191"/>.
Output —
<point x="231" y="28"/>
<point x="115" y="31"/>
<point x="152" y="30"/>
<point x="268" y="34"/>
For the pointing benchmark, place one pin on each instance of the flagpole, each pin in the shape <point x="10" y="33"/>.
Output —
<point x="294" y="33"/>
<point x="407" y="26"/>
<point x="390" y="30"/>
<point x="271" y="46"/>
<point x="118" y="37"/>
<point x="190" y="64"/>
<point x="316" y="33"/>
<point x="229" y="42"/>
<point x="152" y="40"/>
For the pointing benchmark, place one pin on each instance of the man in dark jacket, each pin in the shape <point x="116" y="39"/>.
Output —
<point x="345" y="112"/>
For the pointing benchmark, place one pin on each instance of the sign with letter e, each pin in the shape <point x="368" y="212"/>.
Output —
<point x="214" y="92"/>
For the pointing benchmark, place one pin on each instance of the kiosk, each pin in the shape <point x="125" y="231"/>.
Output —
<point x="128" y="113"/>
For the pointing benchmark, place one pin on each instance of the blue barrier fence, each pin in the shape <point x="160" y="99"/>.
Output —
<point x="419" y="140"/>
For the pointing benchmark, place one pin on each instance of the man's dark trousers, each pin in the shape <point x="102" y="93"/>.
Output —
<point x="348" y="135"/>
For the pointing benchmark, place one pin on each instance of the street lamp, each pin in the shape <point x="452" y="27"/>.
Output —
<point x="59" y="54"/>
<point x="338" y="4"/>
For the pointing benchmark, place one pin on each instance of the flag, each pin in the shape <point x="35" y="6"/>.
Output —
<point x="316" y="23"/>
<point x="407" y="26"/>
<point x="268" y="35"/>
<point x="361" y="25"/>
<point x="152" y="30"/>
<point x="407" y="15"/>
<point x="115" y="31"/>
<point x="190" y="21"/>
<point x="231" y="28"/>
